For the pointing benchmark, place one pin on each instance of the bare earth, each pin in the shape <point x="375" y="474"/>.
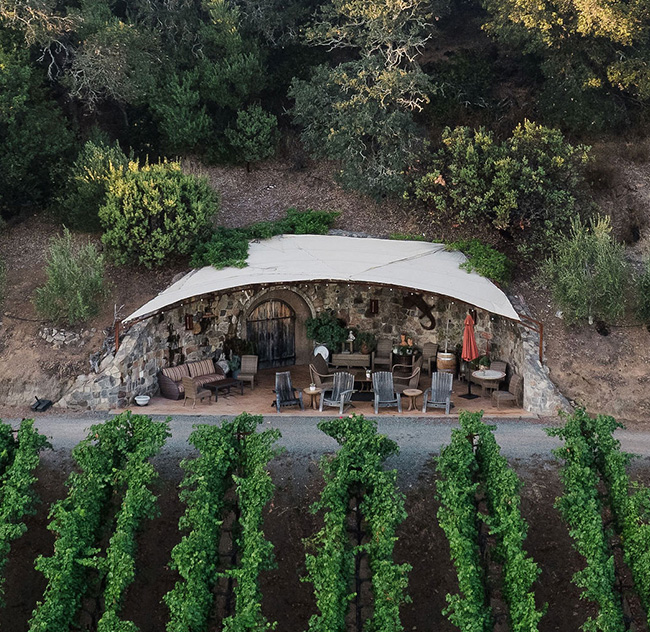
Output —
<point x="607" y="374"/>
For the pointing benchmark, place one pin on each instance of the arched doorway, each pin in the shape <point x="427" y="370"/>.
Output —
<point x="271" y="327"/>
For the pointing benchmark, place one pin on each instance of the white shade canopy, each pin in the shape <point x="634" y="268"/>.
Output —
<point x="414" y="265"/>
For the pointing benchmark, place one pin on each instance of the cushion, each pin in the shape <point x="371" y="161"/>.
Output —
<point x="211" y="377"/>
<point x="202" y="367"/>
<point x="319" y="364"/>
<point x="176" y="373"/>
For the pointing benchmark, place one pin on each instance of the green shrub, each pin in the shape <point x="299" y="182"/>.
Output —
<point x="327" y="329"/>
<point x="529" y="186"/>
<point x="75" y="283"/>
<point x="229" y="246"/>
<point x="254" y="136"/>
<point x="154" y="211"/>
<point x="484" y="260"/>
<point x="588" y="273"/>
<point x="643" y="295"/>
<point x="85" y="192"/>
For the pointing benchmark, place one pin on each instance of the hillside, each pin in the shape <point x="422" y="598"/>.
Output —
<point x="605" y="373"/>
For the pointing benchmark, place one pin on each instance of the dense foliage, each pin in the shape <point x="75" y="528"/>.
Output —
<point x="75" y="283"/>
<point x="356" y="473"/>
<point x="530" y="185"/>
<point x="19" y="458"/>
<point x="79" y="521"/>
<point x="155" y="211"/>
<point x="588" y="272"/>
<point x="231" y="457"/>
<point x="229" y="246"/>
<point x="326" y="329"/>
<point x="484" y="260"/>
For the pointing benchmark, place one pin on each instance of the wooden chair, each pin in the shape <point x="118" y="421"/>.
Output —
<point x="320" y="373"/>
<point x="402" y="382"/>
<point x="341" y="392"/>
<point x="193" y="392"/>
<point x="248" y="371"/>
<point x="285" y="393"/>
<point x="513" y="394"/>
<point x="439" y="394"/>
<point x="385" y="393"/>
<point x="383" y="354"/>
<point x="429" y="353"/>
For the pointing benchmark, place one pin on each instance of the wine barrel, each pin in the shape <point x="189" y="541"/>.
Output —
<point x="446" y="362"/>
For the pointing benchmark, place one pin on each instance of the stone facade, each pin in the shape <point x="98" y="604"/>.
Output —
<point x="163" y="340"/>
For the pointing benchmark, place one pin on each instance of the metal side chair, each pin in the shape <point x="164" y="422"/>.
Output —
<point x="285" y="393"/>
<point x="439" y="394"/>
<point x="385" y="393"/>
<point x="340" y="394"/>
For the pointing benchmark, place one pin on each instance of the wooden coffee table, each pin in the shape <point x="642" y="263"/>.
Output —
<point x="220" y="385"/>
<point x="313" y="396"/>
<point x="412" y="394"/>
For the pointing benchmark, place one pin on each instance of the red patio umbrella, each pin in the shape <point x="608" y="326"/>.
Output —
<point x="469" y="353"/>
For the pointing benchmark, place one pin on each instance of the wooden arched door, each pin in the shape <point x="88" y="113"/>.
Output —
<point x="271" y="328"/>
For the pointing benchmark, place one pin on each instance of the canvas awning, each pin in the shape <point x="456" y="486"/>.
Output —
<point x="413" y="265"/>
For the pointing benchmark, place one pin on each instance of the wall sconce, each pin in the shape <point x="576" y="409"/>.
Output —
<point x="374" y="306"/>
<point x="189" y="322"/>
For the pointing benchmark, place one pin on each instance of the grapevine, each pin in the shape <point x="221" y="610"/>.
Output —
<point x="20" y="458"/>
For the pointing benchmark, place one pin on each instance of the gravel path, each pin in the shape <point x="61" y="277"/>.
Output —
<point x="419" y="439"/>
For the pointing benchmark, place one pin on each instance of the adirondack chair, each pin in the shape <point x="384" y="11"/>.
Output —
<point x="320" y="373"/>
<point x="285" y="393"/>
<point x="429" y="353"/>
<point x="248" y="371"/>
<point x="341" y="392"/>
<point x="383" y="354"/>
<point x="439" y="395"/>
<point x="385" y="393"/>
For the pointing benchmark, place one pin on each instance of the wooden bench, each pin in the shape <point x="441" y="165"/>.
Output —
<point x="349" y="360"/>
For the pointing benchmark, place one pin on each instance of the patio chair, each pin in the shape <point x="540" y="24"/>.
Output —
<point x="383" y="354"/>
<point x="439" y="394"/>
<point x="194" y="392"/>
<point x="513" y="394"/>
<point x="320" y="373"/>
<point x="385" y="393"/>
<point x="248" y="371"/>
<point x="340" y="394"/>
<point x="429" y="353"/>
<point x="285" y="393"/>
<point x="402" y="382"/>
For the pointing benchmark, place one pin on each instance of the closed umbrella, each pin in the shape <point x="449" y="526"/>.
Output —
<point x="469" y="353"/>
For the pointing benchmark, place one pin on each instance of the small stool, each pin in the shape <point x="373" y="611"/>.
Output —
<point x="412" y="394"/>
<point x="313" y="396"/>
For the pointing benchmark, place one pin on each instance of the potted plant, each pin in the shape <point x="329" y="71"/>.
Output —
<point x="366" y="341"/>
<point x="328" y="330"/>
<point x="235" y="365"/>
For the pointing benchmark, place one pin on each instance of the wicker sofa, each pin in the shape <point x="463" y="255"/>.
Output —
<point x="202" y="372"/>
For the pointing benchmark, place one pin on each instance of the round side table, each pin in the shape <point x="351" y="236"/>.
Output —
<point x="313" y="396"/>
<point x="412" y="394"/>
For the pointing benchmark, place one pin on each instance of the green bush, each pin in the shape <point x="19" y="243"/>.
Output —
<point x="327" y="329"/>
<point x="484" y="260"/>
<point x="588" y="273"/>
<point x="229" y="246"/>
<point x="75" y="283"/>
<point x="85" y="192"/>
<point x="155" y="211"/>
<point x="254" y="136"/>
<point x="643" y="295"/>
<point x="529" y="186"/>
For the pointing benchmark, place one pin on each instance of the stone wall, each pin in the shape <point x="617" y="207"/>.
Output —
<point x="163" y="340"/>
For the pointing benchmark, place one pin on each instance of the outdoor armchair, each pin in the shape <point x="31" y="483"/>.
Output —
<point x="439" y="394"/>
<point x="340" y="393"/>
<point x="383" y="354"/>
<point x="285" y="393"/>
<point x="385" y="393"/>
